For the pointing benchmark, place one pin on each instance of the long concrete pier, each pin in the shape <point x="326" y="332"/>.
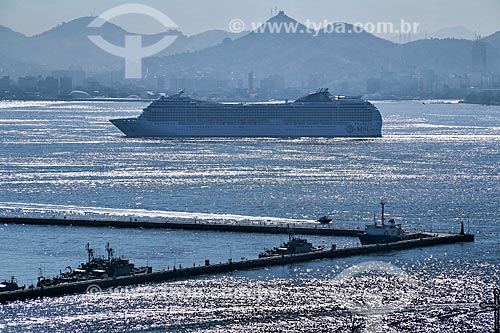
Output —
<point x="275" y="228"/>
<point x="186" y="273"/>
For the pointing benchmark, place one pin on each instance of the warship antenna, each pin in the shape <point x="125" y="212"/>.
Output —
<point x="290" y="232"/>
<point x="109" y="250"/>
<point x="382" y="203"/>
<point x="90" y="252"/>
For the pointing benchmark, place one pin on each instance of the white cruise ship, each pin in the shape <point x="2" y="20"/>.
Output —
<point x="318" y="114"/>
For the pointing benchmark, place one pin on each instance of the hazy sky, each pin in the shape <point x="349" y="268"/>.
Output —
<point x="193" y="16"/>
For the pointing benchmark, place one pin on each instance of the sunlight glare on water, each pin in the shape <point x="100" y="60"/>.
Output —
<point x="436" y="166"/>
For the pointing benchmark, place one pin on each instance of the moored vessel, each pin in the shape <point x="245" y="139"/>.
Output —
<point x="324" y="219"/>
<point x="95" y="268"/>
<point x="10" y="285"/>
<point x="294" y="245"/>
<point x="387" y="232"/>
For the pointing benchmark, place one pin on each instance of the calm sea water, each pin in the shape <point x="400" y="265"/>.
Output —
<point x="436" y="165"/>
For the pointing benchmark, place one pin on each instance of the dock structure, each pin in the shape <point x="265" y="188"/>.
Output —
<point x="275" y="228"/>
<point x="209" y="269"/>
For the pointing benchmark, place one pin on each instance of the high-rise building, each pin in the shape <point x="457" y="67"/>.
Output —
<point x="182" y="83"/>
<point x="160" y="83"/>
<point x="5" y="83"/>
<point x="65" y="85"/>
<point x="478" y="56"/>
<point x="92" y="85"/>
<point x="250" y="82"/>
<point x="476" y="79"/>
<point x="273" y="83"/>
<point x="77" y="76"/>
<point x="51" y="86"/>
<point x="27" y="83"/>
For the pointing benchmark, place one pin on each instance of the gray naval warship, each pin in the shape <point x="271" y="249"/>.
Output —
<point x="294" y="245"/>
<point x="10" y="285"/>
<point x="95" y="268"/>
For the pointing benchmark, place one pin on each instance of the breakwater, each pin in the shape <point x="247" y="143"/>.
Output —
<point x="275" y="228"/>
<point x="221" y="268"/>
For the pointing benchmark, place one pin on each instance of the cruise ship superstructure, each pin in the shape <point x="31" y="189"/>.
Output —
<point x="318" y="114"/>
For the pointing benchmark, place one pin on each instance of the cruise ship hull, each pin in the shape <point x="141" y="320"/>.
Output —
<point x="318" y="114"/>
<point x="137" y="127"/>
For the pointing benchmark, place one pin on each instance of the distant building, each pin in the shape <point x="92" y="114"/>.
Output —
<point x="273" y="83"/>
<point x="428" y="81"/>
<point x="177" y="84"/>
<point x="484" y="96"/>
<point x="5" y="83"/>
<point x="160" y="83"/>
<point x="495" y="81"/>
<point x="454" y="81"/>
<point x="65" y="85"/>
<point x="476" y="79"/>
<point x="185" y="83"/>
<point x="203" y="84"/>
<point x="221" y="84"/>
<point x="478" y="56"/>
<point x="92" y="84"/>
<point x="27" y="83"/>
<point x="373" y="85"/>
<point x="172" y="85"/>
<point x="51" y="86"/>
<point x="40" y="83"/>
<point x="77" y="76"/>
<point x="250" y="83"/>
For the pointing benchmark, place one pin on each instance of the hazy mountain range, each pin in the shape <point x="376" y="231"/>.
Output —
<point x="335" y="56"/>
<point x="221" y="54"/>
<point x="67" y="45"/>
<point x="458" y="32"/>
